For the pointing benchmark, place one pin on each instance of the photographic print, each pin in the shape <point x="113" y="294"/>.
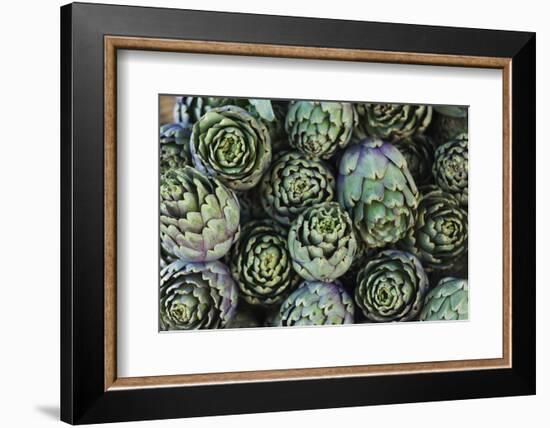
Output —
<point x="280" y="213"/>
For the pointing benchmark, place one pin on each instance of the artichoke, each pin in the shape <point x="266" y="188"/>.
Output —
<point x="199" y="216"/>
<point x="322" y="242"/>
<point x="391" y="287"/>
<point x="440" y="235"/>
<point x="450" y="168"/>
<point x="175" y="133"/>
<point x="448" y="122"/>
<point x="260" y="263"/>
<point x="448" y="300"/>
<point x="376" y="188"/>
<point x="318" y="129"/>
<point x="174" y="146"/>
<point x="188" y="110"/>
<point x="392" y="122"/>
<point x="293" y="184"/>
<point x="232" y="145"/>
<point x="317" y="303"/>
<point x="418" y="151"/>
<point x="196" y="296"/>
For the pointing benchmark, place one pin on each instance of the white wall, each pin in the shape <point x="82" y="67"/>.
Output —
<point x="29" y="213"/>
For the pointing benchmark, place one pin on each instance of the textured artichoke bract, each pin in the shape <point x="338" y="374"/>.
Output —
<point x="232" y="145"/>
<point x="447" y="301"/>
<point x="322" y="242"/>
<point x="376" y="188"/>
<point x="450" y="168"/>
<point x="392" y="122"/>
<point x="317" y="303"/>
<point x="293" y="184"/>
<point x="418" y="151"/>
<point x="199" y="216"/>
<point x="260" y="263"/>
<point x="318" y="129"/>
<point x="391" y="287"/>
<point x="196" y="296"/>
<point x="440" y="235"/>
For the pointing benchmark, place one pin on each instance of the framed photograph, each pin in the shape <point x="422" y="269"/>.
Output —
<point x="266" y="213"/>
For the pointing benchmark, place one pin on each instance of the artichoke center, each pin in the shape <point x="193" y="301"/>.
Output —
<point x="456" y="166"/>
<point x="230" y="150"/>
<point x="449" y="228"/>
<point x="299" y="186"/>
<point x="180" y="312"/>
<point x="269" y="259"/>
<point x="326" y="225"/>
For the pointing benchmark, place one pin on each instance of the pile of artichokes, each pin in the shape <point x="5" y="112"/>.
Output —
<point x="298" y="213"/>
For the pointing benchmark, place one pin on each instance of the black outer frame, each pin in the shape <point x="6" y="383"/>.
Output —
<point x="83" y="399"/>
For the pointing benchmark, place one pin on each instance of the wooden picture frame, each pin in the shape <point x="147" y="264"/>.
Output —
<point x="91" y="390"/>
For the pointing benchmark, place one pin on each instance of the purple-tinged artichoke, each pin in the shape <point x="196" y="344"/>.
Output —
<point x="391" y="122"/>
<point x="391" y="287"/>
<point x="232" y="145"/>
<point x="196" y="296"/>
<point x="322" y="242"/>
<point x="418" y="151"/>
<point x="450" y="168"/>
<point x="261" y="265"/>
<point x="318" y="129"/>
<point x="448" y="300"/>
<point x="376" y="188"/>
<point x="293" y="184"/>
<point x="440" y="235"/>
<point x="199" y="216"/>
<point x="317" y="303"/>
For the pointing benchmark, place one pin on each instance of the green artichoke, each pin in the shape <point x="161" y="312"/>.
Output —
<point x="322" y="242"/>
<point x="188" y="110"/>
<point x="199" y="216"/>
<point x="196" y="296"/>
<point x="174" y="146"/>
<point x="448" y="122"/>
<point x="418" y="151"/>
<point x="391" y="287"/>
<point x="318" y="129"/>
<point x="293" y="184"/>
<point x="232" y="145"/>
<point x="448" y="300"/>
<point x="391" y="122"/>
<point x="450" y="168"/>
<point x="260" y="263"/>
<point x="376" y="188"/>
<point x="317" y="303"/>
<point x="440" y="235"/>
